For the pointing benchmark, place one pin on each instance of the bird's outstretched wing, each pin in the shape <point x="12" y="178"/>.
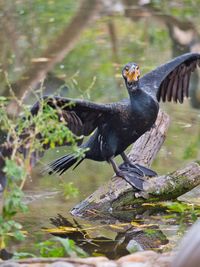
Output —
<point x="170" y="81"/>
<point x="81" y="116"/>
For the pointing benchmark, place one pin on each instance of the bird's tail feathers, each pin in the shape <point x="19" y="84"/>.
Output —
<point x="62" y="164"/>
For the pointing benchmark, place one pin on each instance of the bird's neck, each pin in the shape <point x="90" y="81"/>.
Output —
<point x="133" y="89"/>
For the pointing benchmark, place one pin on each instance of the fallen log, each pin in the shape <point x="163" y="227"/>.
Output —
<point x="118" y="194"/>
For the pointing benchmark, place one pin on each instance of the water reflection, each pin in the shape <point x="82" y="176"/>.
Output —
<point x="150" y="226"/>
<point x="83" y="47"/>
<point x="128" y="238"/>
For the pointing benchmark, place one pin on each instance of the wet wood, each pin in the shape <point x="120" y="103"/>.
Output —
<point x="117" y="193"/>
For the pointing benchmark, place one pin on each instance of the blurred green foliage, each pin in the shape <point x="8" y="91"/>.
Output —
<point x="28" y="133"/>
<point x="55" y="247"/>
<point x="69" y="190"/>
<point x="183" y="209"/>
<point x="60" y="247"/>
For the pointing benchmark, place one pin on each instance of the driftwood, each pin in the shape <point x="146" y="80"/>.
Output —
<point x="117" y="193"/>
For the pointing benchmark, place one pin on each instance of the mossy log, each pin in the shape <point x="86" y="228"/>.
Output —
<point x="117" y="193"/>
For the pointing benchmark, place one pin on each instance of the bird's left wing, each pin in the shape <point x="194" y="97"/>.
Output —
<point x="81" y="116"/>
<point x="170" y="81"/>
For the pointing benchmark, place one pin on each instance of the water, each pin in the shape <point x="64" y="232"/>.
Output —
<point x="90" y="68"/>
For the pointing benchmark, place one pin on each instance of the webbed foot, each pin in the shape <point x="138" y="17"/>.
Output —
<point x="147" y="172"/>
<point x="127" y="167"/>
<point x="132" y="178"/>
<point x="129" y="172"/>
<point x="137" y="169"/>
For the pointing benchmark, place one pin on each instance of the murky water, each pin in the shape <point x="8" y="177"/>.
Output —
<point x="89" y="65"/>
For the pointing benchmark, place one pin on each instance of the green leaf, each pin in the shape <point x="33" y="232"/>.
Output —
<point x="23" y="255"/>
<point x="13" y="170"/>
<point x="71" y="248"/>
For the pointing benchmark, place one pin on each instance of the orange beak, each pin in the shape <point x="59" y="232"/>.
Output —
<point x="133" y="74"/>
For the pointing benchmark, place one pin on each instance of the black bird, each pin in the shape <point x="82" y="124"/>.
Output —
<point x="117" y="125"/>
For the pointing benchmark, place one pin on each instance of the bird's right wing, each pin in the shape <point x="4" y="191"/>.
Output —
<point x="170" y="81"/>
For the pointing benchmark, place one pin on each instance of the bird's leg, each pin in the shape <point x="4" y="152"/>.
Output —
<point x="130" y="177"/>
<point x="129" y="166"/>
<point x="139" y="169"/>
<point x="114" y="165"/>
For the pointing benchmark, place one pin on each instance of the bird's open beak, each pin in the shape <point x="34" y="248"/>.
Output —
<point x="133" y="74"/>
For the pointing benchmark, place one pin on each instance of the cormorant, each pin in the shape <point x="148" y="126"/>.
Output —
<point x="117" y="125"/>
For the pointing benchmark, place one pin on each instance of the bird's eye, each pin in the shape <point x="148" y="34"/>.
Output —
<point x="137" y="67"/>
<point x="127" y="68"/>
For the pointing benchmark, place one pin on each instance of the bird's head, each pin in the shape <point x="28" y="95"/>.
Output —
<point x="131" y="75"/>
